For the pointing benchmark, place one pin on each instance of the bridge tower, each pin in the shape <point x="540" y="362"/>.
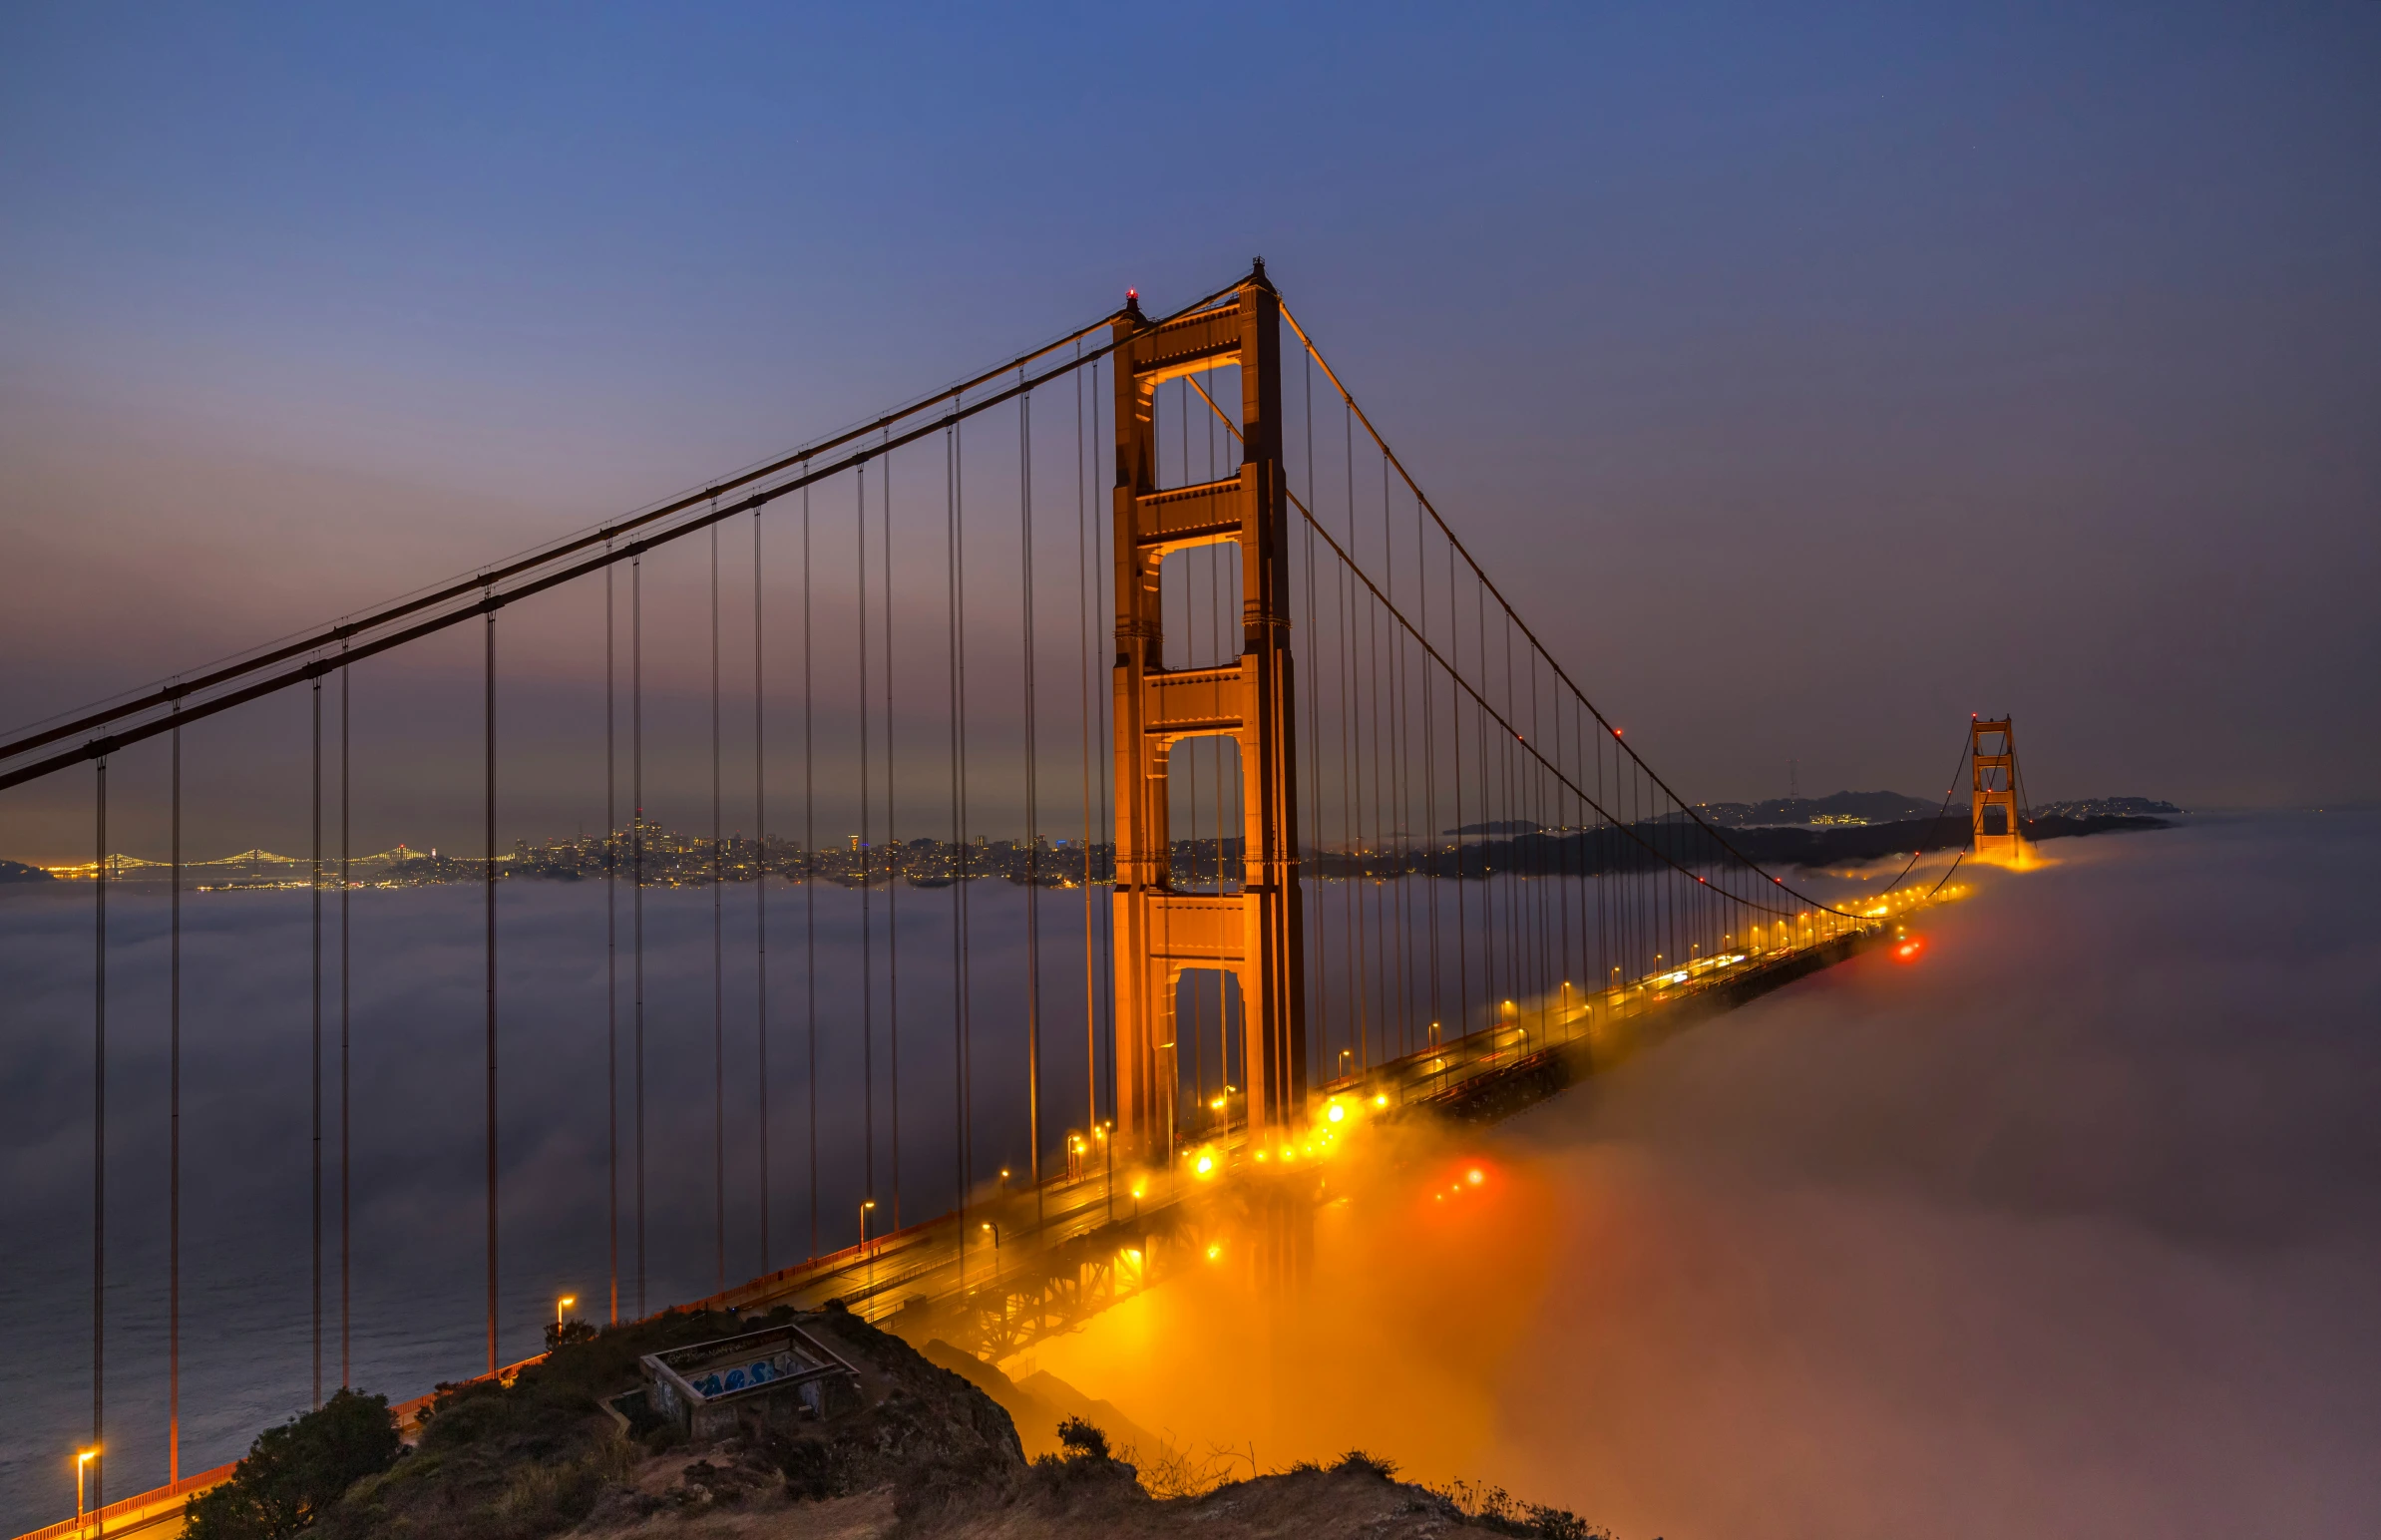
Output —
<point x="1992" y="787"/>
<point x="1254" y="935"/>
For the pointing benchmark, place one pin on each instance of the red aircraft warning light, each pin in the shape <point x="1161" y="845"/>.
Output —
<point x="1909" y="947"/>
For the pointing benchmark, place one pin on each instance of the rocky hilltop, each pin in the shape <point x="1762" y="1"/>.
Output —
<point x="919" y="1449"/>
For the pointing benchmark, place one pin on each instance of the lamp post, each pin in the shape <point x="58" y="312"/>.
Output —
<point x="560" y="1305"/>
<point x="995" y="1233"/>
<point x="83" y="1459"/>
<point x="865" y="1205"/>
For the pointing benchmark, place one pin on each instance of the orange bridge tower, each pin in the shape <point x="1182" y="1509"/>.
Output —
<point x="1254" y="935"/>
<point x="1992" y="787"/>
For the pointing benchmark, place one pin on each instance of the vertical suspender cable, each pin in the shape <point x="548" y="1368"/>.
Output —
<point x="868" y="976"/>
<point x="1516" y="921"/>
<point x="99" y="1142"/>
<point x="314" y="1002"/>
<point x="810" y="904"/>
<point x="760" y="888"/>
<point x="489" y="807"/>
<point x="1488" y="783"/>
<point x="1082" y="628"/>
<point x="963" y="982"/>
<point x="959" y="1046"/>
<point x="1397" y="775"/>
<point x="1352" y="963"/>
<point x="346" y="955"/>
<point x="1104" y="731"/>
<point x="891" y="859"/>
<point x="174" y="1135"/>
<point x="1315" y="755"/>
<point x="1352" y="776"/>
<point x="719" y="961"/>
<point x="636" y="887"/>
<point x="1025" y="470"/>
<point x="611" y="959"/>
<point x="1565" y="852"/>
<point x="1422" y="584"/>
<point x="1455" y="640"/>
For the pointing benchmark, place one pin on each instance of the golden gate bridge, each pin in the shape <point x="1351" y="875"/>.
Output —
<point x="1333" y="786"/>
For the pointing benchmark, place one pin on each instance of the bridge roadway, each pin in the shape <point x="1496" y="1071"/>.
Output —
<point x="1093" y="1235"/>
<point x="1097" y="1233"/>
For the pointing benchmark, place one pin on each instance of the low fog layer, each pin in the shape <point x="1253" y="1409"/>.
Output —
<point x="2067" y="1228"/>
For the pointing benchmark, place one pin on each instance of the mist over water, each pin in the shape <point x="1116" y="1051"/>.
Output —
<point x="2070" y="1227"/>
<point x="418" y="1192"/>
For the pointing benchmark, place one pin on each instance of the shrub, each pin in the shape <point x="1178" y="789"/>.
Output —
<point x="1494" y="1508"/>
<point x="294" y="1471"/>
<point x="570" y="1331"/>
<point x="1082" y="1440"/>
<point x="1367" y="1465"/>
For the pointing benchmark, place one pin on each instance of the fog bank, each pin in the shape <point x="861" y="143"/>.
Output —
<point x="2068" y="1227"/>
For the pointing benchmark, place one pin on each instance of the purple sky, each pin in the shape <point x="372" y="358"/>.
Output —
<point x="1811" y="382"/>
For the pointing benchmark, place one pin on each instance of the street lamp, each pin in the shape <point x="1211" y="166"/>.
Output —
<point x="865" y="1205"/>
<point x="83" y="1459"/>
<point x="995" y="1233"/>
<point x="560" y="1305"/>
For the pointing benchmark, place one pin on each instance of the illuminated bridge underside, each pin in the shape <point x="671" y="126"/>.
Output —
<point x="1085" y="1243"/>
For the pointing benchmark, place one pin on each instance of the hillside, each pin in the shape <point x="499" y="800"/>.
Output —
<point x="913" y="1451"/>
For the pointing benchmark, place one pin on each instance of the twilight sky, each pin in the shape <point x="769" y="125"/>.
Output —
<point x="1813" y="382"/>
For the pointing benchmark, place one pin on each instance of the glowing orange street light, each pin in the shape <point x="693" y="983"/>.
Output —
<point x="83" y="1459"/>
<point x="560" y="1305"/>
<point x="865" y="1205"/>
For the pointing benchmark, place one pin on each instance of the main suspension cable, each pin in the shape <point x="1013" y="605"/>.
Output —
<point x="527" y="576"/>
<point x="1360" y="575"/>
<point x="1482" y="574"/>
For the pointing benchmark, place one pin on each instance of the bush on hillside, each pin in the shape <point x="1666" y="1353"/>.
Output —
<point x="294" y="1471"/>
<point x="1083" y="1441"/>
